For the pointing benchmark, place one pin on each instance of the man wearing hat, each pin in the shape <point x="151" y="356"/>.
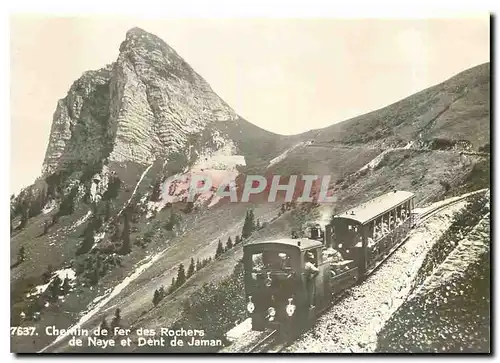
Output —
<point x="311" y="272"/>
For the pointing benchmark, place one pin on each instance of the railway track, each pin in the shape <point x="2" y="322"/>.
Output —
<point x="269" y="343"/>
<point x="264" y="343"/>
<point x="429" y="213"/>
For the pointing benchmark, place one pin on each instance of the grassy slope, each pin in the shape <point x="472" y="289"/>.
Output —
<point x="336" y="162"/>
<point x="455" y="109"/>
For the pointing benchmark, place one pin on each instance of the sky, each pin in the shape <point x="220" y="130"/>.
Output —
<point x="284" y="75"/>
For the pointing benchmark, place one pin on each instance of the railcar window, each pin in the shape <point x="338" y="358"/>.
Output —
<point x="377" y="231"/>
<point x="257" y="262"/>
<point x="404" y="211"/>
<point x="385" y="225"/>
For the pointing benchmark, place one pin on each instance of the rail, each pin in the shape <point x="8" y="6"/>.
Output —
<point x="263" y="343"/>
<point x="428" y="213"/>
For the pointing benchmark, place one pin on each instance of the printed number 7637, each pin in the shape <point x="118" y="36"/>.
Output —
<point x="18" y="330"/>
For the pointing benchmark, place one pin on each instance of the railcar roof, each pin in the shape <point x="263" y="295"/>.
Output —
<point x="305" y="243"/>
<point x="369" y="210"/>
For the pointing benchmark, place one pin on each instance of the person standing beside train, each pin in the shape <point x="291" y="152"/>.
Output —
<point x="311" y="272"/>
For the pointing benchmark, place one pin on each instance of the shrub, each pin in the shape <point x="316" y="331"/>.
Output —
<point x="214" y="308"/>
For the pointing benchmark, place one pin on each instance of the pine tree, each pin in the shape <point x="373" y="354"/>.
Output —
<point x="125" y="249"/>
<point x="115" y="237"/>
<point x="107" y="210"/>
<point x="88" y="239"/>
<point x="116" y="320"/>
<point x="191" y="268"/>
<point x="189" y="207"/>
<point x="173" y="220"/>
<point x="155" y="195"/>
<point x="198" y="265"/>
<point x="38" y="202"/>
<point x="94" y="271"/>
<point x="252" y="220"/>
<point x="181" y="276"/>
<point x="66" y="286"/>
<point x="67" y="206"/>
<point x="257" y="225"/>
<point x="220" y="249"/>
<point x="24" y="215"/>
<point x="229" y="244"/>
<point x="104" y="325"/>
<point x="248" y="225"/>
<point x="21" y="255"/>
<point x="46" y="276"/>
<point x="55" y="287"/>
<point x="162" y="292"/>
<point x="113" y="188"/>
<point x="237" y="240"/>
<point x="156" y="298"/>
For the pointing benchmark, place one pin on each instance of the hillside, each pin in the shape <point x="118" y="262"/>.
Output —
<point x="456" y="109"/>
<point x="100" y="230"/>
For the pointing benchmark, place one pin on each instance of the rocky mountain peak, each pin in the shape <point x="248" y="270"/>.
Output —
<point x="141" y="42"/>
<point x="142" y="107"/>
<point x="137" y="37"/>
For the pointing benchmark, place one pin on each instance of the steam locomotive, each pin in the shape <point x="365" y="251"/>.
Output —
<point x="289" y="282"/>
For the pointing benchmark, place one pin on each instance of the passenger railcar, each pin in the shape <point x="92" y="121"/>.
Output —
<point x="288" y="282"/>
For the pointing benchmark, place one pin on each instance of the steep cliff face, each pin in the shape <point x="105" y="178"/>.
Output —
<point x="158" y="100"/>
<point x="79" y="130"/>
<point x="142" y="107"/>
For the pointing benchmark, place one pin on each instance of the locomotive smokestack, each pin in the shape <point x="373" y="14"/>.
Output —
<point x="314" y="232"/>
<point x="328" y="235"/>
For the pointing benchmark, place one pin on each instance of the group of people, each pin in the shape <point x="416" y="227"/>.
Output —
<point x="381" y="229"/>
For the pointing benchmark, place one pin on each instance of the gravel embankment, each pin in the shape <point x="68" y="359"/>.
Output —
<point x="450" y="312"/>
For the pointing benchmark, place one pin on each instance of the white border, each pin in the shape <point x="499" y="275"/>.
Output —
<point x="200" y="8"/>
<point x="257" y="8"/>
